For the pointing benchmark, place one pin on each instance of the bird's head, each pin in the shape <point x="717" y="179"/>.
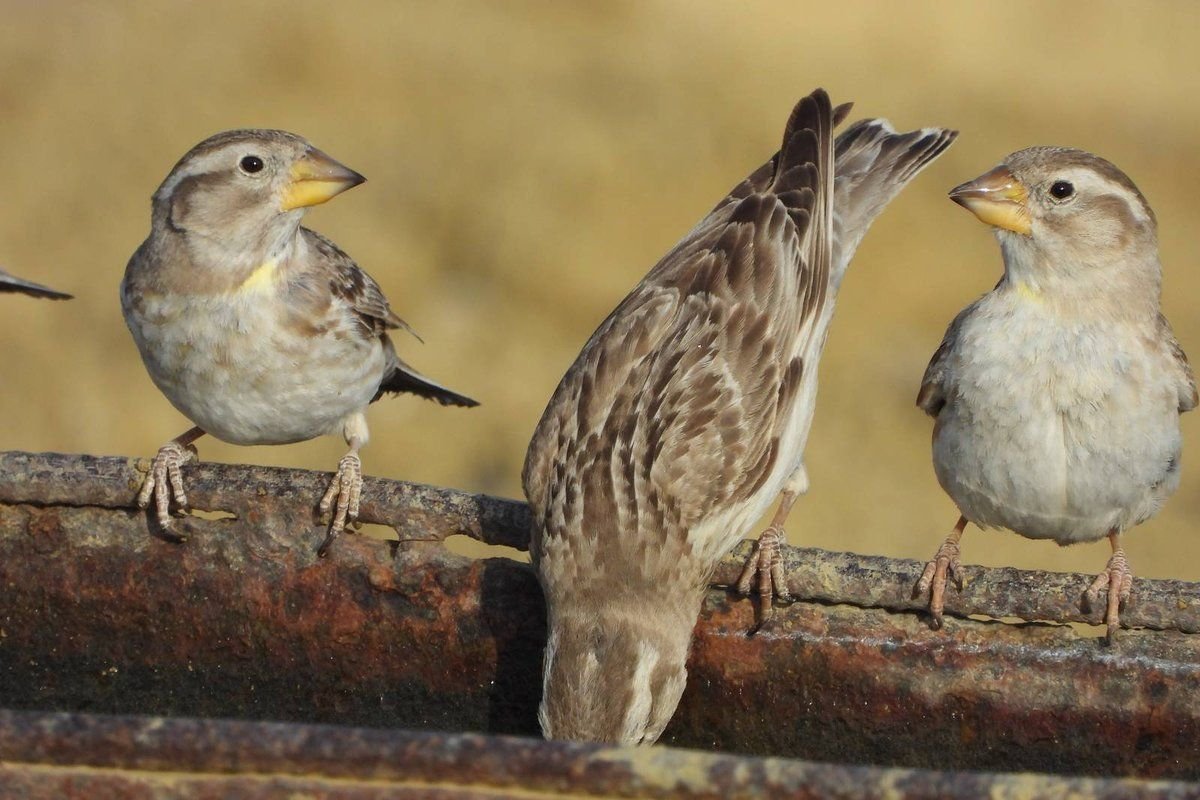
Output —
<point x="245" y="188"/>
<point x="1064" y="214"/>
<point x="614" y="674"/>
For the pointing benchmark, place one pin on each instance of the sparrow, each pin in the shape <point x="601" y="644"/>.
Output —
<point x="685" y="416"/>
<point x="258" y="330"/>
<point x="11" y="283"/>
<point x="1056" y="396"/>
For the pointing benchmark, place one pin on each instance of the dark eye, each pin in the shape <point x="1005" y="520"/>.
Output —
<point x="251" y="164"/>
<point x="1062" y="190"/>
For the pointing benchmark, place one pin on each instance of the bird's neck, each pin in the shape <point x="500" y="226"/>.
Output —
<point x="238" y="263"/>
<point x="1112" y="286"/>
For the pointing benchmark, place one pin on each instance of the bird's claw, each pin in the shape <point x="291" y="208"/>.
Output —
<point x="1117" y="582"/>
<point x="164" y="482"/>
<point x="766" y="563"/>
<point x="342" y="498"/>
<point x="945" y="565"/>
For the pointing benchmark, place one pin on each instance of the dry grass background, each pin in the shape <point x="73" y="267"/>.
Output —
<point x="528" y="162"/>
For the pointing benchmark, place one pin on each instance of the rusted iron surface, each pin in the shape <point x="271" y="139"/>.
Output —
<point x="419" y="512"/>
<point x="416" y="511"/>
<point x="86" y="756"/>
<point x="244" y="621"/>
<point x="846" y="684"/>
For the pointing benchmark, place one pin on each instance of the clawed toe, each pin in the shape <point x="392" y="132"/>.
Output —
<point x="342" y="498"/>
<point x="1116" y="581"/>
<point x="766" y="564"/>
<point x="164" y="483"/>
<point x="945" y="567"/>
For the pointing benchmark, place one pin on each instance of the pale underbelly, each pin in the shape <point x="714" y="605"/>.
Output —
<point x="1053" y="476"/>
<point x="256" y="387"/>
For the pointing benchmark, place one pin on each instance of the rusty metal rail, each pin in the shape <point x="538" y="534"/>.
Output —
<point x="64" y="757"/>
<point x="98" y="614"/>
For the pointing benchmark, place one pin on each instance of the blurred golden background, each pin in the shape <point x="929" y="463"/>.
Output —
<point x="529" y="162"/>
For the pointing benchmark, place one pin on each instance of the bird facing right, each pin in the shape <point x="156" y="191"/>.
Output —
<point x="1057" y="395"/>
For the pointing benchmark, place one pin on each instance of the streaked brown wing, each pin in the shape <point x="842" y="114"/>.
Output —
<point x="356" y="302"/>
<point x="353" y="286"/>
<point x="673" y="408"/>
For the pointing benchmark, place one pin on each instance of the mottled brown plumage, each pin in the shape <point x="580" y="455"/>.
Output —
<point x="686" y="414"/>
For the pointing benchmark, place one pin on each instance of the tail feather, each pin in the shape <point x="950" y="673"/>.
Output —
<point x="872" y="164"/>
<point x="400" y="377"/>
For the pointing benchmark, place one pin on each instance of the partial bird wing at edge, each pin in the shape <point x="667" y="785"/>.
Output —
<point x="1185" y="379"/>
<point x="932" y="396"/>
<point x="11" y="283"/>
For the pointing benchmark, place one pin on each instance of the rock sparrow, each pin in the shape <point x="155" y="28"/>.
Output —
<point x="11" y="283"/>
<point x="685" y="417"/>
<point x="258" y="330"/>
<point x="1057" y="394"/>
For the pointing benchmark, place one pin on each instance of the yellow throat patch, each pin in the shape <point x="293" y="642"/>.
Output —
<point x="261" y="278"/>
<point x="1027" y="292"/>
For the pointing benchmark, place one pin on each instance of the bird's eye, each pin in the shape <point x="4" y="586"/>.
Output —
<point x="1061" y="190"/>
<point x="251" y="164"/>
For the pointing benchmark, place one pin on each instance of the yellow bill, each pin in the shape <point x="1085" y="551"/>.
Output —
<point x="996" y="198"/>
<point x="316" y="178"/>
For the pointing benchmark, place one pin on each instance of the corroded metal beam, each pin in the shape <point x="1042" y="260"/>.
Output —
<point x="243" y="620"/>
<point x="427" y="513"/>
<point x="65" y="757"/>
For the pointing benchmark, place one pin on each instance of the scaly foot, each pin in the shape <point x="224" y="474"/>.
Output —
<point x="342" y="496"/>
<point x="767" y="564"/>
<point x="945" y="564"/>
<point x="1117" y="582"/>
<point x="164" y="482"/>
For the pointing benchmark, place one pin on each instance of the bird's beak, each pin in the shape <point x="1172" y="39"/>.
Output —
<point x="998" y="199"/>
<point x="316" y="178"/>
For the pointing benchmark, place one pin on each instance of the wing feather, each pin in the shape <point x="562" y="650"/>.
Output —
<point x="673" y="410"/>
<point x="355" y="294"/>
<point x="1185" y="379"/>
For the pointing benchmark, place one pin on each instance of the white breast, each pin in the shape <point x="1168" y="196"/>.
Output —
<point x="231" y="365"/>
<point x="1059" y="430"/>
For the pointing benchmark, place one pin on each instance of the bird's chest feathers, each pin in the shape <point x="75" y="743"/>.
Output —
<point x="199" y="332"/>
<point x="1037" y="364"/>
<point x="1054" y="428"/>
<point x="249" y="367"/>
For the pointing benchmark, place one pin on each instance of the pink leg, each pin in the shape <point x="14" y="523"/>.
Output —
<point x="945" y="564"/>
<point x="164" y="481"/>
<point x="766" y="563"/>
<point x="1117" y="580"/>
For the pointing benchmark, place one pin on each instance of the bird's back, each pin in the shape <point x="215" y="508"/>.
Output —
<point x="673" y="411"/>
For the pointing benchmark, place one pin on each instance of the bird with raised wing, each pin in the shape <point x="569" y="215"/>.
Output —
<point x="1057" y="394"/>
<point x="258" y="330"/>
<point x="685" y="416"/>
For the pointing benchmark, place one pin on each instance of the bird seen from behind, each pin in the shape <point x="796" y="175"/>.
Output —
<point x="685" y="416"/>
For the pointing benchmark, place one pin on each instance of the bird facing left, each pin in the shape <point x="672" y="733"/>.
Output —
<point x="258" y="330"/>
